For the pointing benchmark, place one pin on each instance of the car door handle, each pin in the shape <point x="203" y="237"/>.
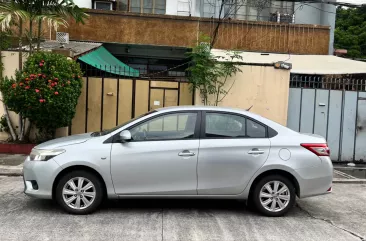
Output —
<point x="186" y="153"/>
<point x="256" y="151"/>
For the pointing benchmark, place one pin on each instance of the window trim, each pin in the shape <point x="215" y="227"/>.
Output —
<point x="142" y="7"/>
<point x="203" y="125"/>
<point x="101" y="1"/>
<point x="196" y="134"/>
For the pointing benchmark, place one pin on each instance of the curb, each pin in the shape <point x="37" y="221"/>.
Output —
<point x="11" y="170"/>
<point x="349" y="181"/>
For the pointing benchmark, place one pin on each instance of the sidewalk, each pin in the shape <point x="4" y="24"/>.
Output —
<point x="12" y="165"/>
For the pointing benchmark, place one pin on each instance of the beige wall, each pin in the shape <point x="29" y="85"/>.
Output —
<point x="263" y="87"/>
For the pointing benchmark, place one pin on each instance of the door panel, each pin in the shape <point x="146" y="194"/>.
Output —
<point x="225" y="166"/>
<point x="171" y="98"/>
<point x="154" y="167"/>
<point x="156" y="98"/>
<point x="161" y="157"/>
<point x="233" y="148"/>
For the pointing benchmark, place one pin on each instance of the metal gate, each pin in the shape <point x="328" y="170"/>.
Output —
<point x="107" y="102"/>
<point x="333" y="108"/>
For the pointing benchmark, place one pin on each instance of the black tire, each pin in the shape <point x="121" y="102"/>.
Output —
<point x="99" y="192"/>
<point x="257" y="200"/>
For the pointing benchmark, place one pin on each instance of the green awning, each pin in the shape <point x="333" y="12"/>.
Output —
<point x="102" y="59"/>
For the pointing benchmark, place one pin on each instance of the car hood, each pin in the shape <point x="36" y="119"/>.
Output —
<point x="64" y="141"/>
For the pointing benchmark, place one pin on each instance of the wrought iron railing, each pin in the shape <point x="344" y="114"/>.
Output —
<point x="330" y="83"/>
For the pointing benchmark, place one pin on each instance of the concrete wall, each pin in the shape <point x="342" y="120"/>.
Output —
<point x="264" y="88"/>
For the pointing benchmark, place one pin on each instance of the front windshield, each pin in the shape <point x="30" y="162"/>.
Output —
<point x="106" y="132"/>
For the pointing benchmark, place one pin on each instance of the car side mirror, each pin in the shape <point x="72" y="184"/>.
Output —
<point x="125" y="136"/>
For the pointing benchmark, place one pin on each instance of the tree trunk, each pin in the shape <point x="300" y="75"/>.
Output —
<point x="39" y="34"/>
<point x="22" y="130"/>
<point x="11" y="129"/>
<point x="30" y="37"/>
<point x="21" y="127"/>
<point x="27" y="133"/>
<point x="1" y="57"/>
<point x="20" y="44"/>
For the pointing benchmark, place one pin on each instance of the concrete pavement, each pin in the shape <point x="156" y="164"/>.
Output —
<point x="24" y="218"/>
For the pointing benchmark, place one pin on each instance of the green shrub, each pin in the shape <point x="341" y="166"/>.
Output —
<point x="46" y="91"/>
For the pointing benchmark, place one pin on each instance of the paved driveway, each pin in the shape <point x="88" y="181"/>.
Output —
<point x="24" y="218"/>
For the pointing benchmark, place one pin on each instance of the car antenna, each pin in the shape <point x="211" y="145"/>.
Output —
<point x="249" y="108"/>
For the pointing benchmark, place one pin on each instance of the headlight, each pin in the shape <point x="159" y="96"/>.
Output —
<point x="44" y="155"/>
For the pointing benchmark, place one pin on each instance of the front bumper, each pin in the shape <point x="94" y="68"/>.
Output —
<point x="38" y="177"/>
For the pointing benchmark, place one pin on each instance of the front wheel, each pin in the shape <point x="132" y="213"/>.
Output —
<point x="274" y="195"/>
<point x="79" y="192"/>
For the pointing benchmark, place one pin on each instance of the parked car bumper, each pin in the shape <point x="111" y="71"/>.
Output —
<point x="317" y="180"/>
<point x="37" y="177"/>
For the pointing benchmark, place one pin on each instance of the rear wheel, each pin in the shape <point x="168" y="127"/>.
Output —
<point x="274" y="195"/>
<point x="79" y="192"/>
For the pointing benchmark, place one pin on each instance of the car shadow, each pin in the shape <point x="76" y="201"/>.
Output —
<point x="148" y="204"/>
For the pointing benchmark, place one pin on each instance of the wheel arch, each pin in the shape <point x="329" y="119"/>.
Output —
<point x="78" y="168"/>
<point x="283" y="173"/>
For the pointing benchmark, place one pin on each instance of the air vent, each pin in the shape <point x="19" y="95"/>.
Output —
<point x="62" y="38"/>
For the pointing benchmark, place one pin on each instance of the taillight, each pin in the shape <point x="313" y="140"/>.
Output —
<point x="317" y="149"/>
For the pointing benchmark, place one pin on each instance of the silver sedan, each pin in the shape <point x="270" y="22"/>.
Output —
<point x="183" y="152"/>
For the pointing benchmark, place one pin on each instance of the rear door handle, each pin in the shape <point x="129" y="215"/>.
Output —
<point x="256" y="151"/>
<point x="186" y="153"/>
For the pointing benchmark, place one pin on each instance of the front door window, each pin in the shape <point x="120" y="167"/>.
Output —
<point x="175" y="126"/>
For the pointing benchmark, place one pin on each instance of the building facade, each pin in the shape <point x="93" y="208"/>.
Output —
<point x="247" y="10"/>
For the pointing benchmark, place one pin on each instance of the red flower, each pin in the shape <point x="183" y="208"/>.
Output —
<point x="79" y="76"/>
<point x="27" y="87"/>
<point x="13" y="86"/>
<point x="53" y="84"/>
<point x="41" y="64"/>
<point x="42" y="61"/>
<point x="68" y="81"/>
<point x="39" y="75"/>
<point x="56" y="79"/>
<point x="37" y="90"/>
<point x="41" y="100"/>
<point x="49" y="81"/>
<point x="56" y="93"/>
<point x="26" y="79"/>
<point x="44" y="76"/>
<point x="21" y="84"/>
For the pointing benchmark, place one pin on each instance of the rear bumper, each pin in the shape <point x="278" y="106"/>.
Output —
<point x="314" y="181"/>
<point x="38" y="177"/>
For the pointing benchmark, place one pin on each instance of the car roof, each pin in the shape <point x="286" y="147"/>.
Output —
<point x="208" y="108"/>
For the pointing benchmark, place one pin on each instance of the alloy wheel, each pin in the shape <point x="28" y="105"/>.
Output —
<point x="78" y="193"/>
<point x="274" y="196"/>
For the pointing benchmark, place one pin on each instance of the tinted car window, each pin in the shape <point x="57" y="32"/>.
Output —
<point x="224" y="125"/>
<point x="171" y="126"/>
<point x="255" y="130"/>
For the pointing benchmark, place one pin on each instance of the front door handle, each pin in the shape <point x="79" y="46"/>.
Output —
<point x="186" y="153"/>
<point x="256" y="151"/>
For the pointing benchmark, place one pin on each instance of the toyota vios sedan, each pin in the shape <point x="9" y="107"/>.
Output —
<point x="183" y="152"/>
